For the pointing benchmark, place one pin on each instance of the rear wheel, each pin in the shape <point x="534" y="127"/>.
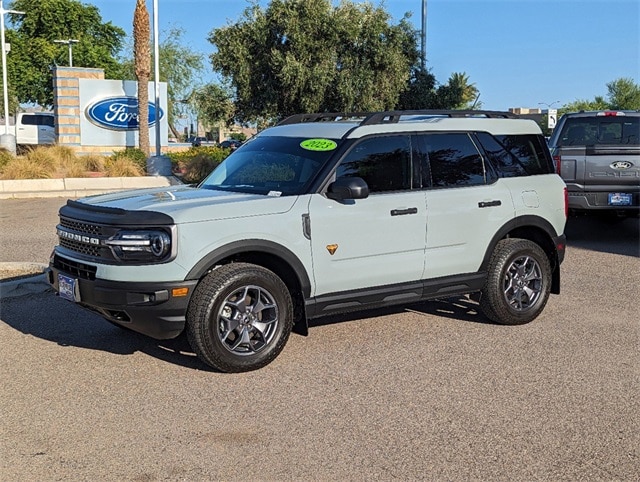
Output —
<point x="518" y="282"/>
<point x="239" y="318"/>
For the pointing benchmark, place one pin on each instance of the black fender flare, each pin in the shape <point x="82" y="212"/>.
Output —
<point x="529" y="221"/>
<point x="519" y="222"/>
<point x="253" y="246"/>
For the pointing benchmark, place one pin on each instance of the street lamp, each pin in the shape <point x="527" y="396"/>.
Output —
<point x="549" y="105"/>
<point x="7" y="140"/>
<point x="70" y="43"/>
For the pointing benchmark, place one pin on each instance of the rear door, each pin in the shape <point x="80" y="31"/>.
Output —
<point x="466" y="206"/>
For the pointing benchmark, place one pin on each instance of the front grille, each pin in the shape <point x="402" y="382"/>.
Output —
<point x="80" y="227"/>
<point x="74" y="268"/>
<point x="85" y="239"/>
<point x="82" y="248"/>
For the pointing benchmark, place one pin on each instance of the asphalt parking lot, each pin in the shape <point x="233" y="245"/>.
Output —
<point x="429" y="392"/>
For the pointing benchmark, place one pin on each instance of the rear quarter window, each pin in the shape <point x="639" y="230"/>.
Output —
<point x="517" y="155"/>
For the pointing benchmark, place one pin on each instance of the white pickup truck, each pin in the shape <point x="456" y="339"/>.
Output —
<point x="34" y="128"/>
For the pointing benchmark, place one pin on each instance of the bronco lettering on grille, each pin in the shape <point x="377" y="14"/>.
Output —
<point x="78" y="237"/>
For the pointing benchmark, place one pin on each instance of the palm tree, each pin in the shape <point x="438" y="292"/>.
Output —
<point x="459" y="82"/>
<point x="142" y="60"/>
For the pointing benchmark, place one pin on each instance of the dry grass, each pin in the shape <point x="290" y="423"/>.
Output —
<point x="45" y="162"/>
<point x="123" y="168"/>
<point x="94" y="163"/>
<point x="23" y="168"/>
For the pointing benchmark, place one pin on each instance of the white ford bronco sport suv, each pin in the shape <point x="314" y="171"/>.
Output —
<point x="324" y="214"/>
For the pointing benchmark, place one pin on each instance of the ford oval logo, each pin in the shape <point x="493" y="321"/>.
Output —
<point x="621" y="165"/>
<point x="120" y="113"/>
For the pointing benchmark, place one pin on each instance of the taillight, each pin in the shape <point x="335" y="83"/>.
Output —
<point x="556" y="161"/>
<point x="566" y="203"/>
<point x="610" y="113"/>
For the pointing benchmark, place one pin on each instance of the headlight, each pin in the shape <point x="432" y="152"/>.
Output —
<point x="144" y="246"/>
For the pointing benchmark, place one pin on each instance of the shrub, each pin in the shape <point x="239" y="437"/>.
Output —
<point x="24" y="168"/>
<point x="132" y="154"/>
<point x="198" y="162"/>
<point x="5" y="157"/>
<point x="122" y="167"/>
<point x="94" y="162"/>
<point x="44" y="158"/>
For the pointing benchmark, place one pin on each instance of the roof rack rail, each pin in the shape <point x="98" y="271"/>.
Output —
<point x="392" y="116"/>
<point x="322" y="117"/>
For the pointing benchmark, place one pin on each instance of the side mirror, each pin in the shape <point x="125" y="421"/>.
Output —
<point x="348" y="188"/>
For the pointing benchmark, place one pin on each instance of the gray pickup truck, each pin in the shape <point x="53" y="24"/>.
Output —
<point x="598" y="156"/>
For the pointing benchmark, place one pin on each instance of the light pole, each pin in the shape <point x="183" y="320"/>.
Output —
<point x="157" y="165"/>
<point x="423" y="50"/>
<point x="69" y="42"/>
<point x="552" y="114"/>
<point x="7" y="140"/>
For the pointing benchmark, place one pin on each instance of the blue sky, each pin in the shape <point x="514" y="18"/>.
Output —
<point x="519" y="53"/>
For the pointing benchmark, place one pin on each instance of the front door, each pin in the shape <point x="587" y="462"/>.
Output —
<point x="377" y="241"/>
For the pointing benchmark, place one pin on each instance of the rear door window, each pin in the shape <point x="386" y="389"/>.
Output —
<point x="453" y="160"/>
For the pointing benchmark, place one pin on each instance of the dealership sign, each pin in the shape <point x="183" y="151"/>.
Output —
<point x="120" y="113"/>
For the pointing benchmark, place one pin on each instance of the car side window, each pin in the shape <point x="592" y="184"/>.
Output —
<point x="383" y="162"/>
<point x="453" y="160"/>
<point x="529" y="150"/>
<point x="30" y="120"/>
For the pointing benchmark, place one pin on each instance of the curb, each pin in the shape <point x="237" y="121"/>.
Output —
<point x="79" y="187"/>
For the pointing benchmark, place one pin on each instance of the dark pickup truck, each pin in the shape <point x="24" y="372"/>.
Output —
<point x="598" y="156"/>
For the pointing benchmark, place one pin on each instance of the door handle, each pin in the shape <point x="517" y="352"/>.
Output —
<point x="402" y="212"/>
<point x="488" y="204"/>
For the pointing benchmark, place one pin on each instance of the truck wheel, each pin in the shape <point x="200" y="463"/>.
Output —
<point x="239" y="317"/>
<point x="518" y="282"/>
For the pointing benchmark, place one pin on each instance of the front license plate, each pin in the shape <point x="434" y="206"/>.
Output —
<point x="620" y="199"/>
<point x="68" y="288"/>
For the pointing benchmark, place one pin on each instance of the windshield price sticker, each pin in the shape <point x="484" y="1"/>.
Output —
<point x="318" y="145"/>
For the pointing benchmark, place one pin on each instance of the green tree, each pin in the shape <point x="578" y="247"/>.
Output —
<point x="180" y="68"/>
<point x="142" y="61"/>
<point x="213" y="104"/>
<point x="306" y="56"/>
<point x="622" y="94"/>
<point x="422" y="92"/>
<point x="33" y="51"/>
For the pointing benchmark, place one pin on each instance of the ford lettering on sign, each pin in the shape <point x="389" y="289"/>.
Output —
<point x="120" y="113"/>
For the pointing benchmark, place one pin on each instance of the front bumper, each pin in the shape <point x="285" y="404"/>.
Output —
<point x="148" y="308"/>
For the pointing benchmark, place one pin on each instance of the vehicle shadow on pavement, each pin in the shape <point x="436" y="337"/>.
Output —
<point x="604" y="234"/>
<point x="48" y="317"/>
<point x="459" y="308"/>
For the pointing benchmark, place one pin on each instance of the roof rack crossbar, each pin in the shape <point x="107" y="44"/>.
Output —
<point x="392" y="116"/>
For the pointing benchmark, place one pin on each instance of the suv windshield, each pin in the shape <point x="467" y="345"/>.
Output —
<point x="278" y="166"/>
<point x="588" y="131"/>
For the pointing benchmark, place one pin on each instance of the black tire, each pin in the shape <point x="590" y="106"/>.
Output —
<point x="518" y="282"/>
<point x="239" y="318"/>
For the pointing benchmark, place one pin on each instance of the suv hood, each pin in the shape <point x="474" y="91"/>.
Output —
<point x="190" y="204"/>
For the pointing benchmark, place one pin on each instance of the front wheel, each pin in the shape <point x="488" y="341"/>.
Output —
<point x="239" y="318"/>
<point x="518" y="282"/>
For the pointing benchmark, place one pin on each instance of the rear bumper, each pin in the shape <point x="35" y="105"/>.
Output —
<point x="148" y="308"/>
<point x="599" y="200"/>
